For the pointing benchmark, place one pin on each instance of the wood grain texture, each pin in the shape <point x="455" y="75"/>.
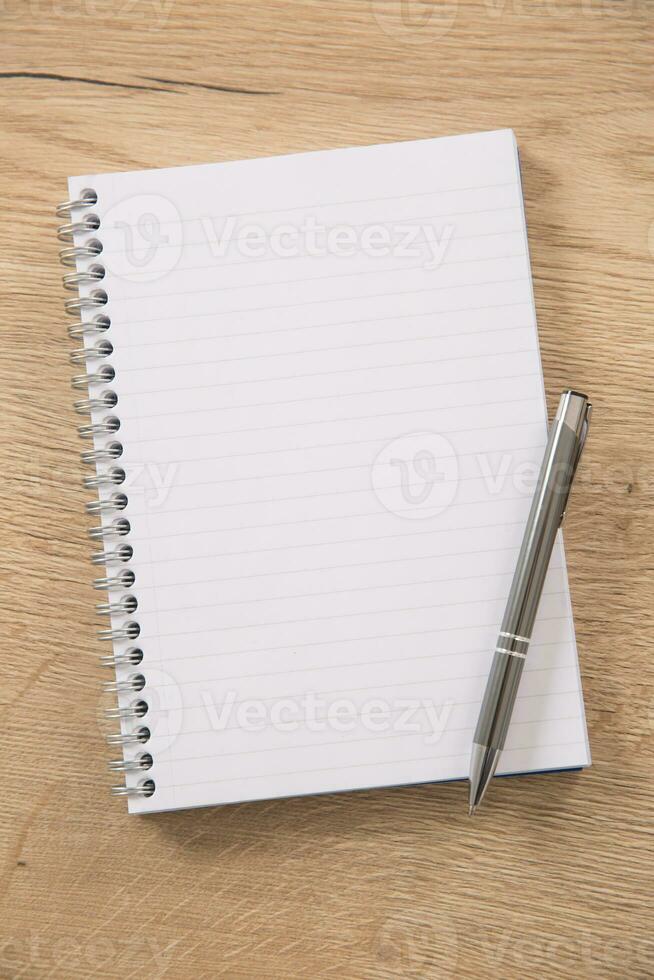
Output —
<point x="554" y="878"/>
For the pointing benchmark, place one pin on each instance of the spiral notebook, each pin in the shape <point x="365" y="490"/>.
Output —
<point x="315" y="416"/>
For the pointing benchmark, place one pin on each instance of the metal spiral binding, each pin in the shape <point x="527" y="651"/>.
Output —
<point x="80" y="253"/>
<point x="114" y="450"/>
<point x="98" y="325"/>
<point x="144" y="788"/>
<point x="103" y="375"/>
<point x="97" y="298"/>
<point x="108" y="399"/>
<point x="129" y="658"/>
<point x="124" y="580"/>
<point x="113" y="477"/>
<point x="136" y="682"/>
<point x="67" y="232"/>
<point x="125" y="606"/>
<point x="122" y="554"/>
<point x="104" y="428"/>
<point x="69" y="256"/>
<point x="121" y="527"/>
<point x="142" y="761"/>
<point x="136" y="738"/>
<point x="84" y="354"/>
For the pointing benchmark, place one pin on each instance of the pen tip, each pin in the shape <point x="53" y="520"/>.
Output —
<point x="471" y="810"/>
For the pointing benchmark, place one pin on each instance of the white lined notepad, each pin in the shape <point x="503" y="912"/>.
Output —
<point x="331" y="414"/>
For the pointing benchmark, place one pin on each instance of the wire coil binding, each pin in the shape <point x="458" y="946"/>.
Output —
<point x="82" y="247"/>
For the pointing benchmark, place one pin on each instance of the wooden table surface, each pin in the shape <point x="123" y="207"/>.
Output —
<point x="554" y="879"/>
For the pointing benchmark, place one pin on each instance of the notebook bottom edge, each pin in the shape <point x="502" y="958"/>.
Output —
<point x="577" y="767"/>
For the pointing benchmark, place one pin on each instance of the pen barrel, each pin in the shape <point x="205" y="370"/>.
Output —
<point x="543" y="523"/>
<point x="499" y="698"/>
<point x="545" y="516"/>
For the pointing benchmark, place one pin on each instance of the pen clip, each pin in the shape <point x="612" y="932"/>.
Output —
<point x="580" y="448"/>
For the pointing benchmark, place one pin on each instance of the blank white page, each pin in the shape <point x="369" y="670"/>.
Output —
<point x="332" y="415"/>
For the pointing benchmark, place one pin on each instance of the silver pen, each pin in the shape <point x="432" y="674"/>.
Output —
<point x="564" y="446"/>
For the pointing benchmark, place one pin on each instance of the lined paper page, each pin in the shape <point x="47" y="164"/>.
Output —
<point x="332" y="414"/>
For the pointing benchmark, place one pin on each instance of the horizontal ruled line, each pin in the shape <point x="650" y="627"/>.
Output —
<point x="349" y="591"/>
<point x="162" y="661"/>
<point x="363" y="200"/>
<point x="134" y="538"/>
<point x="363" y="765"/>
<point x="395" y="685"/>
<point x="333" y="323"/>
<point x="370" y="737"/>
<point x="314" y="544"/>
<point x="331" y="396"/>
<point x="275" y="476"/>
<point x="391" y="224"/>
<point x="328" y="374"/>
<point x="322" y="302"/>
<point x="331" y="373"/>
<point x="332" y="568"/>
<point x="327" y="350"/>
<point x="324" y="445"/>
<point x="327" y="619"/>
<point x="348" y="418"/>
<point x="360" y="663"/>
<point x="153" y="515"/>
<point x="359" y="274"/>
